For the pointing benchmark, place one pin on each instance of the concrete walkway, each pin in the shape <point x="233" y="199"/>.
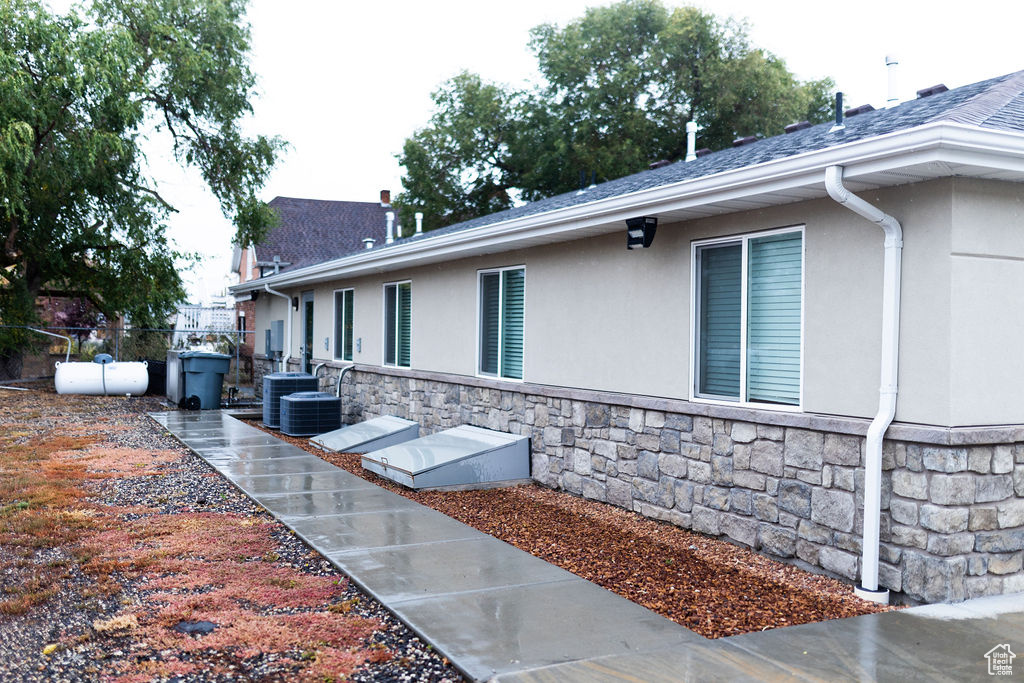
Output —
<point x="488" y="607"/>
<point x="498" y="612"/>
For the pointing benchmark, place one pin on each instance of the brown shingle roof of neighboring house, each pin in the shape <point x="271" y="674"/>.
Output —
<point x="316" y="230"/>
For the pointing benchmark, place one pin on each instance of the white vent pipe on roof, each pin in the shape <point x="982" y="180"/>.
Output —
<point x="691" y="140"/>
<point x="288" y="335"/>
<point x="390" y="237"/>
<point x="891" y="67"/>
<point x="419" y="222"/>
<point x="368" y="242"/>
<point x="869" y="589"/>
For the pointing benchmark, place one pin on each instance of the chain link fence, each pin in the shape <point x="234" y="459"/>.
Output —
<point x="57" y="343"/>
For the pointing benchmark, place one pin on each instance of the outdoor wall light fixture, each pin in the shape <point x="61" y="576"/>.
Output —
<point x="295" y="303"/>
<point x="640" y="231"/>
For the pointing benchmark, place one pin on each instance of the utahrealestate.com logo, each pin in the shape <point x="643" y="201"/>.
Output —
<point x="1000" y="660"/>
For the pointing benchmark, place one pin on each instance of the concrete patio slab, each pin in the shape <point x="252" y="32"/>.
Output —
<point x="380" y="530"/>
<point x="325" y="503"/>
<point x="233" y="440"/>
<point x="300" y="483"/>
<point x="299" y="464"/>
<point x="932" y="643"/>
<point x="902" y="645"/>
<point x="711" y="661"/>
<point x="496" y="631"/>
<point x="412" y="572"/>
<point x="247" y="452"/>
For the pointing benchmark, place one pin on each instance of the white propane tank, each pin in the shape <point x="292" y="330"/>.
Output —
<point x="101" y="379"/>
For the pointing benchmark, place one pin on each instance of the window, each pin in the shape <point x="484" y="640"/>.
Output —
<point x="502" y="295"/>
<point x="397" y="328"/>
<point x="343" y="324"/>
<point x="748" y="305"/>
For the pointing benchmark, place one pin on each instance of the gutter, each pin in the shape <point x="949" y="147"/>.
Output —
<point x="891" y="276"/>
<point x="288" y="314"/>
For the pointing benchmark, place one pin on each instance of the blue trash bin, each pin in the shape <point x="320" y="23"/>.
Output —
<point x="204" y="376"/>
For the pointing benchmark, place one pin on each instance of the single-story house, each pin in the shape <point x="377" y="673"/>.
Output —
<point x="309" y="231"/>
<point x="814" y="349"/>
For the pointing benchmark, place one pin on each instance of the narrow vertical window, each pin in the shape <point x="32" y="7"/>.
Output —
<point x="490" y="322"/>
<point x="502" y="299"/>
<point x="343" y="300"/>
<point x="720" y="292"/>
<point x="398" y="324"/>
<point x="748" y="318"/>
<point x="773" y="318"/>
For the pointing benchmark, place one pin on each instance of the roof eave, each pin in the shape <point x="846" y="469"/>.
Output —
<point x="939" y="141"/>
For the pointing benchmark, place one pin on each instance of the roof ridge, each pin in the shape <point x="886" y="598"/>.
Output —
<point x="979" y="108"/>
<point x="326" y="201"/>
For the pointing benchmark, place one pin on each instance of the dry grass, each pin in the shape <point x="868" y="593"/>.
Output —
<point x="209" y="566"/>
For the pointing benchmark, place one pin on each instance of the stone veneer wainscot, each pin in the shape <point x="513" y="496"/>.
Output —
<point x="785" y="484"/>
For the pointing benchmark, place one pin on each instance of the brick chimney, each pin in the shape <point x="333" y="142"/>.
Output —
<point x="385" y="197"/>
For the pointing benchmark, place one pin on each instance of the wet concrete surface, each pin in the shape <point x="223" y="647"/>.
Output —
<point x="499" y="613"/>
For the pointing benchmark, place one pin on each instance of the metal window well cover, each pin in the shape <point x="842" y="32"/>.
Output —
<point x="371" y="435"/>
<point x="464" y="456"/>
<point x="306" y="413"/>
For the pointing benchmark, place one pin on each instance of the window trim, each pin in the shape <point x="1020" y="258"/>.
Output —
<point x="384" y="325"/>
<point x="743" y="240"/>
<point x="479" y="321"/>
<point x="339" y="344"/>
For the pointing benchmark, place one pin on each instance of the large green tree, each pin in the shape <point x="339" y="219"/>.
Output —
<point x="80" y="95"/>
<point x="617" y="88"/>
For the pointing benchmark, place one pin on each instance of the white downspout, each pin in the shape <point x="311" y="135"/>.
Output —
<point x="887" y="392"/>
<point x="288" y="317"/>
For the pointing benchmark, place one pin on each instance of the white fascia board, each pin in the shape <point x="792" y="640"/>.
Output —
<point x="941" y="141"/>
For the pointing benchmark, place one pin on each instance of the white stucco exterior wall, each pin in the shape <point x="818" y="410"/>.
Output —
<point x="601" y="317"/>
<point x="987" y="303"/>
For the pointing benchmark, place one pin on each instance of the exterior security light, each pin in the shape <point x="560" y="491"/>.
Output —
<point x="295" y="303"/>
<point x="640" y="231"/>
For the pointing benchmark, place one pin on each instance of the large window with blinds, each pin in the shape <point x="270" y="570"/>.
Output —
<point x="748" y="307"/>
<point x="502" y="298"/>
<point x="343" y="299"/>
<point x="397" y="323"/>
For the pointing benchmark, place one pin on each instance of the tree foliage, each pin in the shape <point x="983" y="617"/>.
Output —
<point x="617" y="88"/>
<point x="79" y="94"/>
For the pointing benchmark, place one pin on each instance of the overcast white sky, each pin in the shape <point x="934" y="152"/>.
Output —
<point x="345" y="82"/>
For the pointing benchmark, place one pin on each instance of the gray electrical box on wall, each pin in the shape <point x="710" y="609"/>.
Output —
<point x="276" y="336"/>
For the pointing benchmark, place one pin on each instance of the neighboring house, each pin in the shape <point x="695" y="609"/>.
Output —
<point x="310" y="231"/>
<point x="197" y="322"/>
<point x="724" y="379"/>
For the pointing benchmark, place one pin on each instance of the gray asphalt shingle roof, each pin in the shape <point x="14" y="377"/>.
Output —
<point x="995" y="103"/>
<point x="315" y="230"/>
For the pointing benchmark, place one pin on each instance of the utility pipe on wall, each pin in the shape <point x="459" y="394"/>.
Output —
<point x="288" y="334"/>
<point x="891" y="275"/>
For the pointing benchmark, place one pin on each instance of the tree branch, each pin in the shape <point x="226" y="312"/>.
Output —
<point x="153" y="193"/>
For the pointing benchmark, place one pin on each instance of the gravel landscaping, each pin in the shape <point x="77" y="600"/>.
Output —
<point x="114" y="539"/>
<point x="709" y="586"/>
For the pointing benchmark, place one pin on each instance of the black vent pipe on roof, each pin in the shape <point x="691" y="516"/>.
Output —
<point x="839" y="125"/>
